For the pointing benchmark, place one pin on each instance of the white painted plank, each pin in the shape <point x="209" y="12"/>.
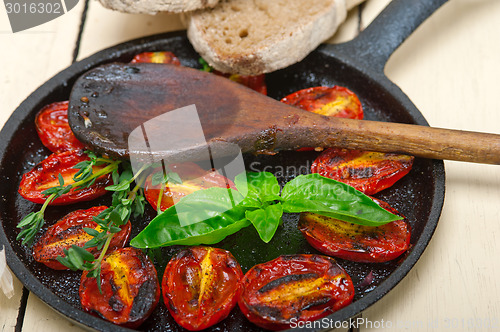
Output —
<point x="28" y="59"/>
<point x="43" y="318"/>
<point x="105" y="28"/>
<point x="449" y="68"/>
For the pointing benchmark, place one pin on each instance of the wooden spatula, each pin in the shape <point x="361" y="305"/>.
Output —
<point x="109" y="102"/>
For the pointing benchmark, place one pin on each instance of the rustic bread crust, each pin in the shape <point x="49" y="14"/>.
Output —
<point x="265" y="43"/>
<point x="155" y="6"/>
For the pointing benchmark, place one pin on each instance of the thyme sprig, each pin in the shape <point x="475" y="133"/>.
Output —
<point x="85" y="177"/>
<point x="125" y="203"/>
<point x="163" y="177"/>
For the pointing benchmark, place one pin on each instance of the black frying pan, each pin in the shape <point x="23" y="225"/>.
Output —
<point x="357" y="65"/>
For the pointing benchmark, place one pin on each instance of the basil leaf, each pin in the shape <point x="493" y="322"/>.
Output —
<point x="266" y="221"/>
<point x="261" y="185"/>
<point x="165" y="229"/>
<point x="206" y="204"/>
<point x="321" y="195"/>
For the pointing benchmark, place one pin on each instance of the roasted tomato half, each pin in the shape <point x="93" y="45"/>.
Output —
<point x="257" y="83"/>
<point x="334" y="101"/>
<point x="70" y="231"/>
<point x="156" y="57"/>
<point x="193" y="178"/>
<point x="356" y="242"/>
<point x="331" y="101"/>
<point x="369" y="172"/>
<point x="294" y="288"/>
<point x="45" y="175"/>
<point x="130" y="288"/>
<point x="53" y="128"/>
<point x="200" y="286"/>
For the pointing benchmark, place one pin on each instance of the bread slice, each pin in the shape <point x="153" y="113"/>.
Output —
<point x="154" y="6"/>
<point x="252" y="37"/>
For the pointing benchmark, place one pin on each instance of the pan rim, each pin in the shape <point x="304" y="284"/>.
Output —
<point x="86" y="320"/>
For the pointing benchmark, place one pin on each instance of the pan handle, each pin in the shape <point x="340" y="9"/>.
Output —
<point x="373" y="46"/>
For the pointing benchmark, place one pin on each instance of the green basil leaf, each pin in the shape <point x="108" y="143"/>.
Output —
<point x="206" y="204"/>
<point x="263" y="184"/>
<point x="165" y="229"/>
<point x="321" y="195"/>
<point x="266" y="221"/>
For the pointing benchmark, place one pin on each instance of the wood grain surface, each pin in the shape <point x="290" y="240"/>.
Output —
<point x="449" y="68"/>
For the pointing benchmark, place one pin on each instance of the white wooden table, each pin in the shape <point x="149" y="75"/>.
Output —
<point x="450" y="68"/>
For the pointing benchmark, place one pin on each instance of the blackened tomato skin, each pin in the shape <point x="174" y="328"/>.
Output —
<point x="292" y="289"/>
<point x="194" y="178"/>
<point x="357" y="243"/>
<point x="157" y="57"/>
<point x="130" y="288"/>
<point x="200" y="286"/>
<point x="368" y="172"/>
<point x="69" y="231"/>
<point x="53" y="129"/>
<point x="45" y="175"/>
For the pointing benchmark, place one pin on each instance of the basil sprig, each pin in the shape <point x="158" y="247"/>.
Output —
<point x="208" y="216"/>
<point x="321" y="195"/>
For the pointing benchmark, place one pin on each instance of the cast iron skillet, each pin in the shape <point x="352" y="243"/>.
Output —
<point x="357" y="65"/>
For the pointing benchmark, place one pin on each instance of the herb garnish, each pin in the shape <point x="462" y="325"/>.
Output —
<point x="208" y="216"/>
<point x="125" y="202"/>
<point x="85" y="177"/>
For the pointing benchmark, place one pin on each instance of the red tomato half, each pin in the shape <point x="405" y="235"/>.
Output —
<point x="194" y="178"/>
<point x="356" y="242"/>
<point x="369" y="172"/>
<point x="334" y="101"/>
<point x="331" y="101"/>
<point x="130" y="288"/>
<point x="69" y="231"/>
<point x="257" y="83"/>
<point x="53" y="128"/>
<point x="45" y="175"/>
<point x="294" y="288"/>
<point x="200" y="286"/>
<point x="156" y="57"/>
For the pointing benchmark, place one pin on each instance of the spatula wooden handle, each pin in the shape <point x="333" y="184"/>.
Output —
<point x="420" y="141"/>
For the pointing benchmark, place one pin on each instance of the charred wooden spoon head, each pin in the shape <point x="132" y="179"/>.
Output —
<point x="115" y="106"/>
